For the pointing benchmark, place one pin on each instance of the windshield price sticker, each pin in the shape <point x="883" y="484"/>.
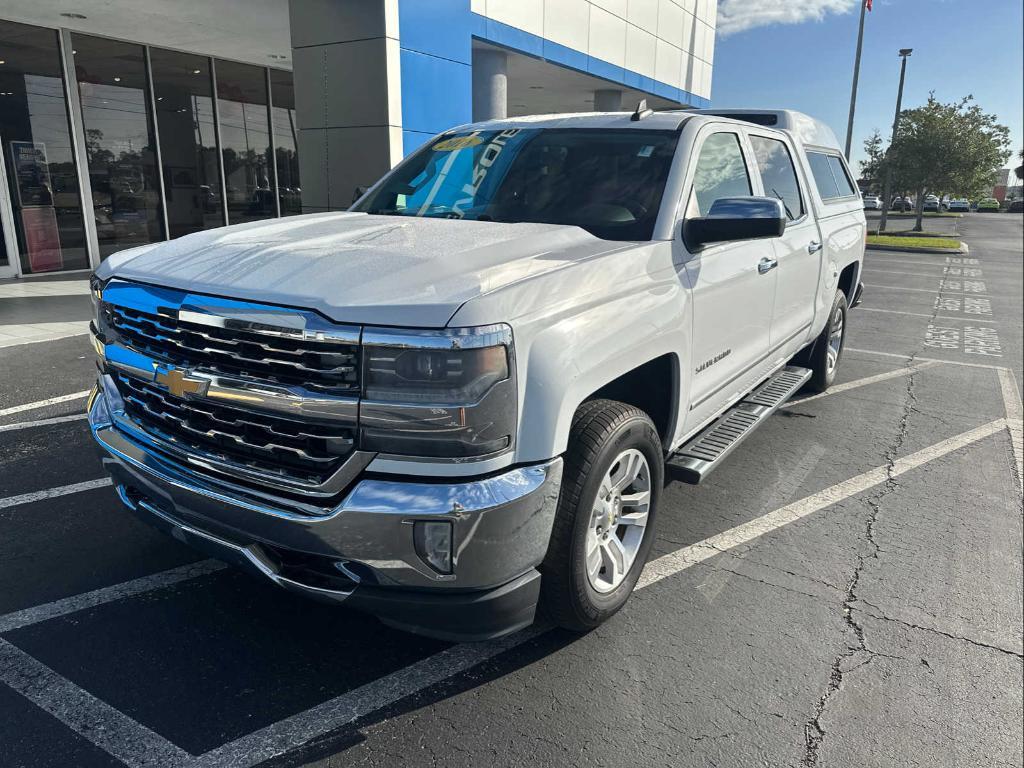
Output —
<point x="457" y="142"/>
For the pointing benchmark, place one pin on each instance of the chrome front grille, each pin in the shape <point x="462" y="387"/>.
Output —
<point x="313" y="361"/>
<point x="238" y="441"/>
<point x="258" y="397"/>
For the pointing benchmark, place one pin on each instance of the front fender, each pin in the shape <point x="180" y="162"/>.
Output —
<point x="570" y="359"/>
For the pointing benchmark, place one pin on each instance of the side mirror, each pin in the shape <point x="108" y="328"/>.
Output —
<point x="736" y="218"/>
<point x="359" y="192"/>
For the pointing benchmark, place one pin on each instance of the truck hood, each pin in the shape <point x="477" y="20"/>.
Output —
<point x="358" y="268"/>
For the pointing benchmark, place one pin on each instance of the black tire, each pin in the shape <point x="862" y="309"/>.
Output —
<point x="816" y="357"/>
<point x="600" y="431"/>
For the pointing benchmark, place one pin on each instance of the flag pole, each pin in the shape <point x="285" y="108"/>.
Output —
<point x="856" y="78"/>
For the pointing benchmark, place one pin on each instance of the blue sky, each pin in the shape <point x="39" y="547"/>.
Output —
<point x="960" y="47"/>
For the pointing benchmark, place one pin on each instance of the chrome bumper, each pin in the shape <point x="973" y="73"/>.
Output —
<point x="361" y="551"/>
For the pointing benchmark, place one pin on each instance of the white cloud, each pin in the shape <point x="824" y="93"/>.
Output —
<point x="739" y="15"/>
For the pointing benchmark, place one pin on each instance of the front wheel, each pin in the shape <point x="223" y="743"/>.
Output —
<point x="825" y="354"/>
<point x="604" y="526"/>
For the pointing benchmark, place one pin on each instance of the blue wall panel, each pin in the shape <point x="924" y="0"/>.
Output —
<point x="436" y="58"/>
<point x="442" y="28"/>
<point x="436" y="93"/>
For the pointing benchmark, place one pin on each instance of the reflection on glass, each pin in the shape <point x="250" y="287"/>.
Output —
<point x="188" y="142"/>
<point x="245" y="141"/>
<point x="119" y="143"/>
<point x="285" y="142"/>
<point x="36" y="142"/>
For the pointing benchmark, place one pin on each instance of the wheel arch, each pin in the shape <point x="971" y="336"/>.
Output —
<point x="848" y="280"/>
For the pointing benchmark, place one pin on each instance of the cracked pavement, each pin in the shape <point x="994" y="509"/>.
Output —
<point x="885" y="629"/>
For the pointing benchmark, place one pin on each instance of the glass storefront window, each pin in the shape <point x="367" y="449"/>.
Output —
<point x="245" y="141"/>
<point x="119" y="142"/>
<point x="188" y="141"/>
<point x="285" y="141"/>
<point x="36" y="141"/>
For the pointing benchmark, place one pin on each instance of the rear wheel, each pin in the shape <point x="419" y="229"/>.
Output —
<point x="825" y="354"/>
<point x="604" y="526"/>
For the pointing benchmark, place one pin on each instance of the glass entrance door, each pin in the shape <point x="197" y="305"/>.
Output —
<point x="6" y="265"/>
<point x="8" y="243"/>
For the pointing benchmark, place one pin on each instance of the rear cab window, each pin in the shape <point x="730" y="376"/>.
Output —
<point x="830" y="176"/>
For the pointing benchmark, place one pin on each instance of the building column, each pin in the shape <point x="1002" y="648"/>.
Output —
<point x="607" y="100"/>
<point x="345" y="63"/>
<point x="490" y="85"/>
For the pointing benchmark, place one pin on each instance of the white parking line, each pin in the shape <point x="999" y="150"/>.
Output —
<point x="295" y="731"/>
<point x="96" y="597"/>
<point x="669" y="565"/>
<point x="52" y="493"/>
<point x="920" y="290"/>
<point x="108" y="728"/>
<point x="44" y="403"/>
<point x="901" y="262"/>
<point x="969" y="319"/>
<point x="41" y="422"/>
<point x="1014" y="416"/>
<point x="904" y="356"/>
<point x="897" y="272"/>
<point x="835" y="389"/>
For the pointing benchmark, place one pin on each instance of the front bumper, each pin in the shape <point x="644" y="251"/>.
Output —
<point x="361" y="552"/>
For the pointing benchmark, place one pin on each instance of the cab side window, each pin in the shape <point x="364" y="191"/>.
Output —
<point x="721" y="172"/>
<point x="778" y="176"/>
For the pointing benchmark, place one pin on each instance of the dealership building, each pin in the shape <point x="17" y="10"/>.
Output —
<point x="126" y="122"/>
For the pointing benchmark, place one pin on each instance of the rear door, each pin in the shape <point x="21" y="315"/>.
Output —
<point x="798" y="251"/>
<point x="732" y="297"/>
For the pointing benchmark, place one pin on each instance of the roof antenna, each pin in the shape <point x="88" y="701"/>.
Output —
<point x="641" y="111"/>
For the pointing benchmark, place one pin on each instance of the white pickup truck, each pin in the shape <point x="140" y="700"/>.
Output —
<point x="453" y="405"/>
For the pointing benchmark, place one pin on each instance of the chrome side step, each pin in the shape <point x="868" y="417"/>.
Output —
<point x="695" y="460"/>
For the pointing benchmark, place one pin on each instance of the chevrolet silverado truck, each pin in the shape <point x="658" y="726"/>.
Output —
<point x="454" y="404"/>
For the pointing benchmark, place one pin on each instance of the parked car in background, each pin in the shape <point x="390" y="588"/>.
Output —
<point x="901" y="204"/>
<point x="932" y="204"/>
<point x="988" y="205"/>
<point x="1015" y="206"/>
<point x="872" y="203"/>
<point x="960" y="205"/>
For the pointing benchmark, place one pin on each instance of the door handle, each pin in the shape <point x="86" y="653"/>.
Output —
<point x="813" y="247"/>
<point x="766" y="265"/>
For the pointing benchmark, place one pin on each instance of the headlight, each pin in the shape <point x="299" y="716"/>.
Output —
<point x="444" y="393"/>
<point x="98" y="326"/>
<point x="96" y="287"/>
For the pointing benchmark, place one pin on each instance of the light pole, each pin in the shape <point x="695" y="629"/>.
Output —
<point x="904" y="53"/>
<point x="856" y="79"/>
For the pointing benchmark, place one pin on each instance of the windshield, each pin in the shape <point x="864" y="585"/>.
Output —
<point x="609" y="182"/>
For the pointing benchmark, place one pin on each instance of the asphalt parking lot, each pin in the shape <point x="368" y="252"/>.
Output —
<point x="846" y="591"/>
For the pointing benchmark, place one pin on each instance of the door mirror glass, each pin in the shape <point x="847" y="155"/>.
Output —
<point x="736" y="218"/>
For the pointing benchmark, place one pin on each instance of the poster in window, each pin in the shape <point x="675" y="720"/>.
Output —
<point x="32" y="172"/>
<point x="42" y="238"/>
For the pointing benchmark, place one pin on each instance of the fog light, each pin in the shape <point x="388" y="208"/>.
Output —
<point x="433" y="540"/>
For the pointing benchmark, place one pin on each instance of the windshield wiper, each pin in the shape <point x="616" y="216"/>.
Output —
<point x="789" y="213"/>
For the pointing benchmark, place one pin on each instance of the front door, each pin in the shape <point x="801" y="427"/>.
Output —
<point x="798" y="251"/>
<point x="732" y="296"/>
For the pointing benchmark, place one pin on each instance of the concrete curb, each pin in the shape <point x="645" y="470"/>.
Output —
<point x="963" y="250"/>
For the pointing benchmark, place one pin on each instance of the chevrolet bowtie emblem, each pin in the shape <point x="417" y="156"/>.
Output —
<point x="179" y="383"/>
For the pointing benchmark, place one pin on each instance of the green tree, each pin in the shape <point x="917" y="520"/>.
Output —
<point x="947" y="148"/>
<point x="872" y="167"/>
